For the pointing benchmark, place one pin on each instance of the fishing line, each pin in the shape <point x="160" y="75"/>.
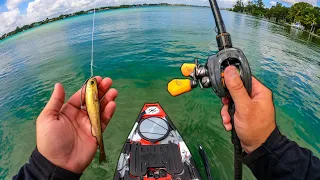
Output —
<point x="91" y="63"/>
<point x="94" y="16"/>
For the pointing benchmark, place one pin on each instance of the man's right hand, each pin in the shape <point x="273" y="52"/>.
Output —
<point x="254" y="117"/>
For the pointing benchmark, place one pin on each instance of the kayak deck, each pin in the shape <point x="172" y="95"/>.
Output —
<point x="155" y="150"/>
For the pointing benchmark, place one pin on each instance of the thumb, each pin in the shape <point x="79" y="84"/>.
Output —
<point x="56" y="101"/>
<point x="235" y="86"/>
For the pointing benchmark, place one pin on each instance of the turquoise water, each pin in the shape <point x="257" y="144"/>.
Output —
<point x="141" y="49"/>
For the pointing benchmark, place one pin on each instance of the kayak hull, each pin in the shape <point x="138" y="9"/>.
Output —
<point x="154" y="150"/>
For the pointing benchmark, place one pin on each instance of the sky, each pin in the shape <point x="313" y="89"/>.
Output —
<point x="15" y="13"/>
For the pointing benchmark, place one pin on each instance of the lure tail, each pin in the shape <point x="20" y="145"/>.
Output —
<point x="102" y="157"/>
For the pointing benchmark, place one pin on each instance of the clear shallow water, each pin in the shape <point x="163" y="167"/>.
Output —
<point x="142" y="49"/>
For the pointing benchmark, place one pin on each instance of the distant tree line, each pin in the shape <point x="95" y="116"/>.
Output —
<point x="63" y="16"/>
<point x="302" y="12"/>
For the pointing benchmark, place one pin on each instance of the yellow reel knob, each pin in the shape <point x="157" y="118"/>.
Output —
<point x="179" y="86"/>
<point x="187" y="68"/>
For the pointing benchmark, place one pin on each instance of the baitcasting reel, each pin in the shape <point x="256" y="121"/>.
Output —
<point x="212" y="73"/>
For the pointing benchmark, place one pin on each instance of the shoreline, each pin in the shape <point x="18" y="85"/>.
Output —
<point x="33" y="25"/>
<point x="277" y="23"/>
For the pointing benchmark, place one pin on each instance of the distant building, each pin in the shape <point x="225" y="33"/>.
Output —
<point x="297" y="25"/>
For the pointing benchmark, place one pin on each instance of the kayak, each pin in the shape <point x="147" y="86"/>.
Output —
<point x="154" y="150"/>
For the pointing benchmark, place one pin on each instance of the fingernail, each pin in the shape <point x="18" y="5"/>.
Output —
<point x="232" y="72"/>
<point x="226" y="127"/>
<point x="223" y="119"/>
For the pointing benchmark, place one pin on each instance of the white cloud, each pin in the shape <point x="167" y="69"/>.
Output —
<point x="273" y="3"/>
<point x="13" y="4"/>
<point x="227" y="3"/>
<point x="8" y="20"/>
<point x="41" y="9"/>
<point x="291" y="2"/>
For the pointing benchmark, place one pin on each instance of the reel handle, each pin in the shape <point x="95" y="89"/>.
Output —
<point x="180" y="86"/>
<point x="187" y="69"/>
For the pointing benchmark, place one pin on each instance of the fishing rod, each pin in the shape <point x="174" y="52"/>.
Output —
<point x="205" y="161"/>
<point x="211" y="75"/>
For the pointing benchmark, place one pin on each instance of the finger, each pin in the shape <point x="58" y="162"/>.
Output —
<point x="257" y="88"/>
<point x="99" y="79"/>
<point x="104" y="86"/>
<point x="225" y="115"/>
<point x="228" y="127"/>
<point x="107" y="114"/>
<point x="235" y="86"/>
<point x="56" y="101"/>
<point x="75" y="98"/>
<point x="225" y="100"/>
<point x="111" y="95"/>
